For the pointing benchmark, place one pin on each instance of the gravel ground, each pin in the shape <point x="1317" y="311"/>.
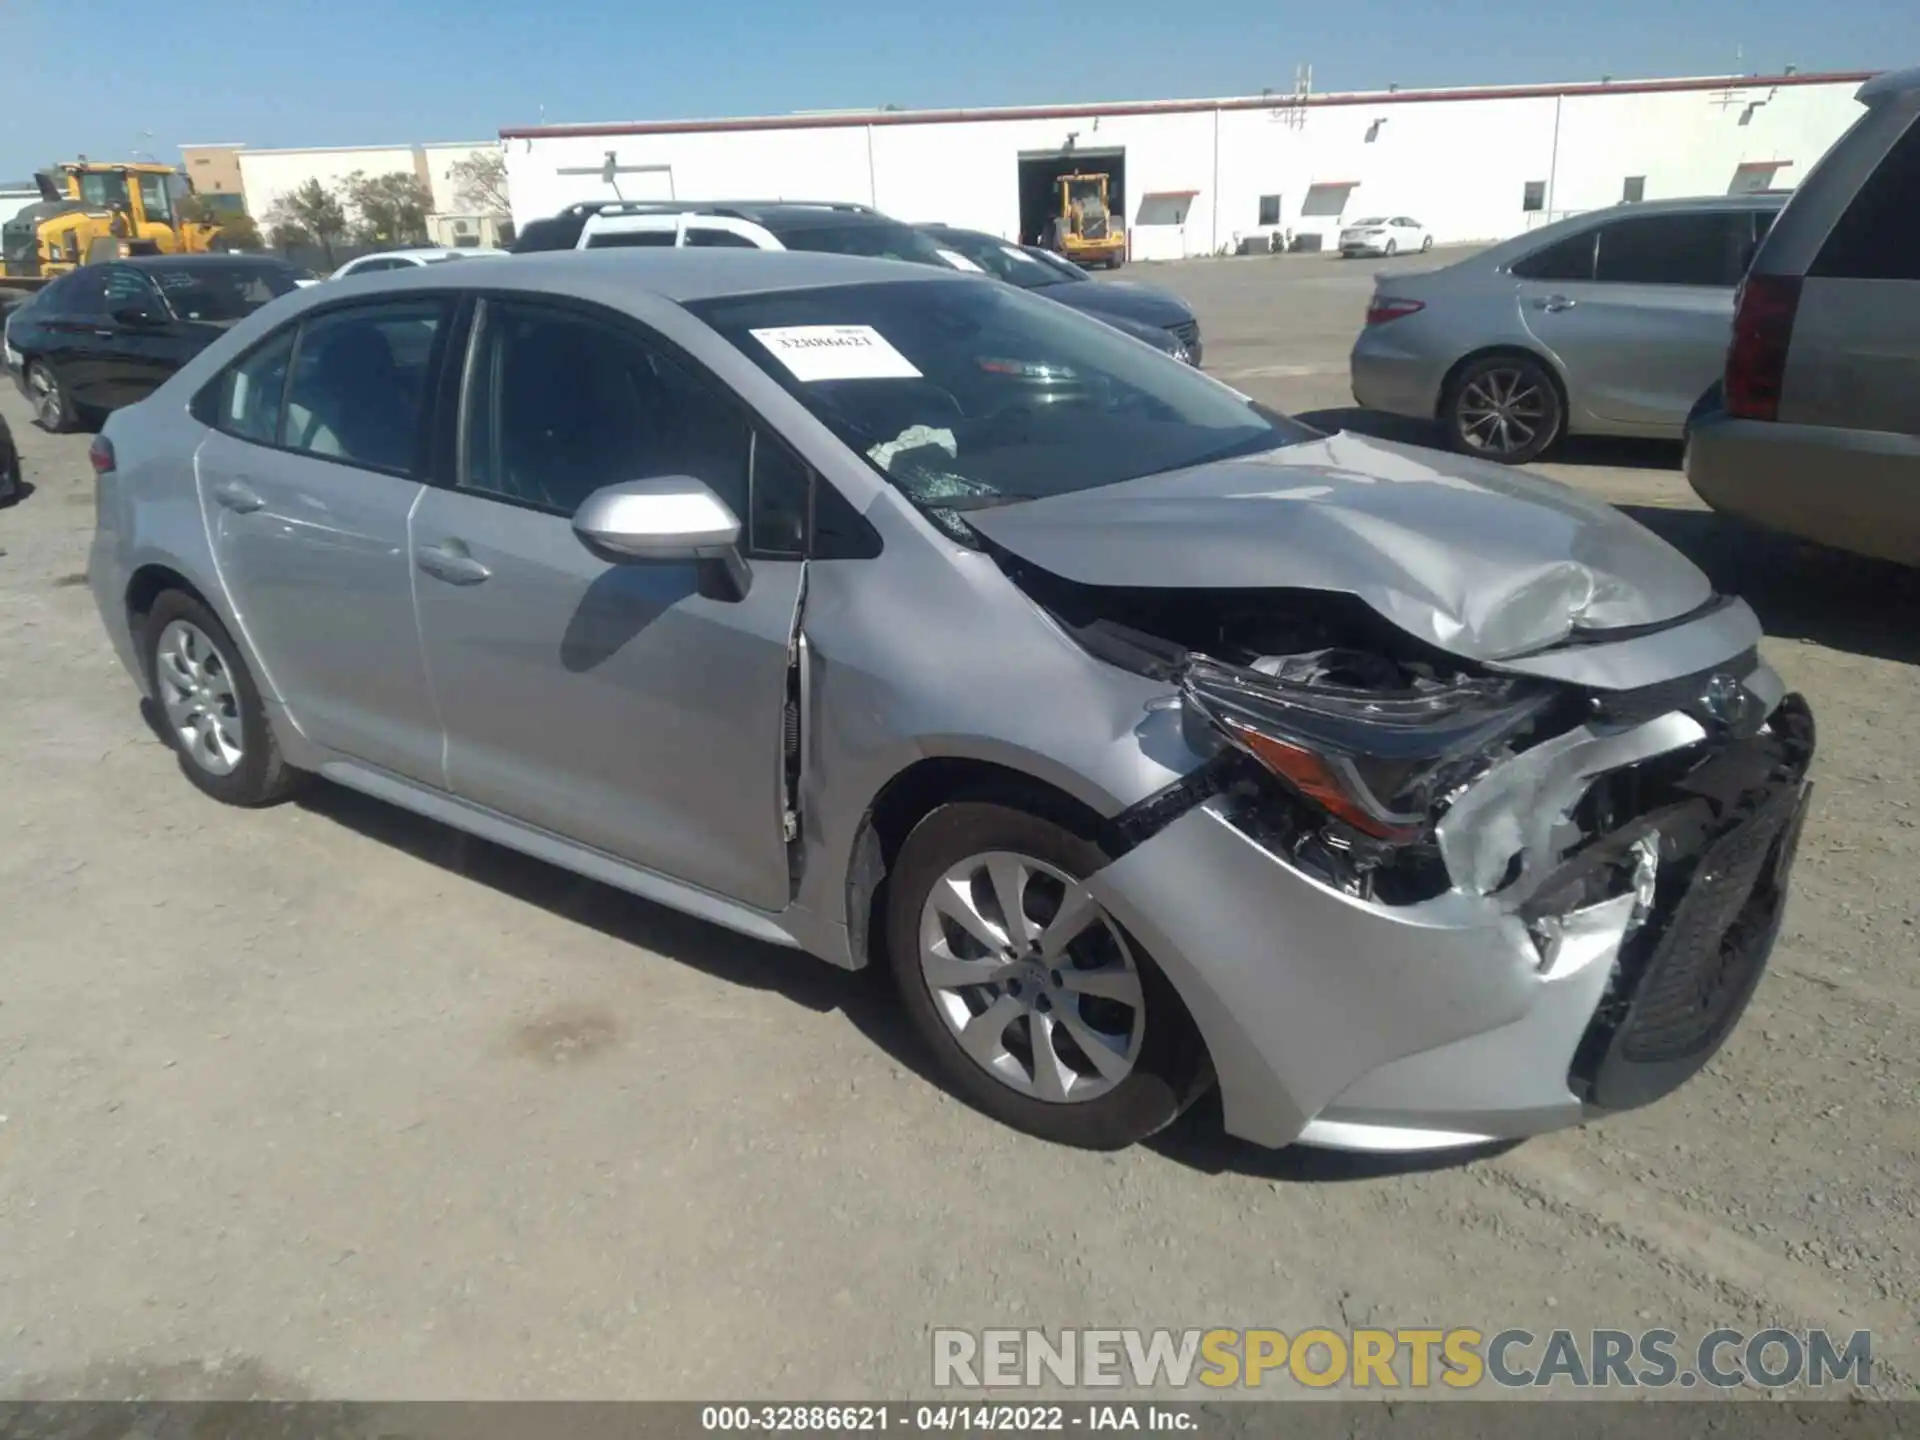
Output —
<point x="325" y="1101"/>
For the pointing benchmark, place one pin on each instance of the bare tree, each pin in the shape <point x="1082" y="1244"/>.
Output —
<point x="310" y="212"/>
<point x="480" y="183"/>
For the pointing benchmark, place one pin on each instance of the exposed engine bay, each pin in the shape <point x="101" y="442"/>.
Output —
<point x="1346" y="746"/>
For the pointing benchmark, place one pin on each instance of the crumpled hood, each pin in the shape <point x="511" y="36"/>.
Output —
<point x="1125" y="298"/>
<point x="1484" y="562"/>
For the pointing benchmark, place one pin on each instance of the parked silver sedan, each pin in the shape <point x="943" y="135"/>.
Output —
<point x="1611" y="323"/>
<point x="896" y="616"/>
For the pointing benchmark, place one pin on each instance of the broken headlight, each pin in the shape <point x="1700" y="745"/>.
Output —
<point x="1373" y="743"/>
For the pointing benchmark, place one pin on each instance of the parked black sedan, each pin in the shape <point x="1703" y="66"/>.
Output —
<point x="9" y="466"/>
<point x="106" y="335"/>
<point x="1145" y="311"/>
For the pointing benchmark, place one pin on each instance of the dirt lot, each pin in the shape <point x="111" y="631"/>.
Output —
<point x="326" y="1101"/>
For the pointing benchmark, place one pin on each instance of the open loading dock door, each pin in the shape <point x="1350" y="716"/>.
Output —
<point x="1040" y="200"/>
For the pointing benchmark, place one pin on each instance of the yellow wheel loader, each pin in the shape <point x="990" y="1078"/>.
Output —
<point x="1086" y="231"/>
<point x="90" y="210"/>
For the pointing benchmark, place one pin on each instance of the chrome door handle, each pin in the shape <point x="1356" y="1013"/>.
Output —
<point x="1557" y="303"/>
<point x="449" y="561"/>
<point x="237" y="497"/>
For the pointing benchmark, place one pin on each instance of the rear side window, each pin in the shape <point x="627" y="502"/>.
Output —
<point x="1568" y="259"/>
<point x="707" y="235"/>
<point x="1875" y="239"/>
<point x="359" y="383"/>
<point x="1704" y="248"/>
<point x="245" y="401"/>
<point x="624" y="239"/>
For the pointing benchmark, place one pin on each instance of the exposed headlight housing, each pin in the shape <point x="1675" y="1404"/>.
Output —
<point x="1377" y="760"/>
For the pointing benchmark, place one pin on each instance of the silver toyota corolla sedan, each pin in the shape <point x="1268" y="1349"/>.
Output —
<point x="898" y="617"/>
<point x="1611" y="323"/>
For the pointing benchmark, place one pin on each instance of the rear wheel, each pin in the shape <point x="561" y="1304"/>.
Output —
<point x="1505" y="408"/>
<point x="53" y="409"/>
<point x="213" y="715"/>
<point x="1036" y="1004"/>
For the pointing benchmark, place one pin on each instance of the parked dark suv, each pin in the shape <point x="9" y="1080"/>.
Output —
<point x="105" y="336"/>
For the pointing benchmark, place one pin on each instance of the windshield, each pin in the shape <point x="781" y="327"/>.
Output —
<point x="1059" y="264"/>
<point x="880" y="241"/>
<point x="997" y="257"/>
<point x="965" y="394"/>
<point x="204" y="292"/>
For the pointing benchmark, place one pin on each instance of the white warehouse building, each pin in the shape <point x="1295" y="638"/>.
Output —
<point x="1201" y="177"/>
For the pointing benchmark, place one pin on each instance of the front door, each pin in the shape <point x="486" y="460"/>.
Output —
<point x="1647" y="335"/>
<point x="136" y="356"/>
<point x="307" y="484"/>
<point x="614" y="704"/>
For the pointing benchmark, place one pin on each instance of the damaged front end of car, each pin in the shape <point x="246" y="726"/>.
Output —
<point x="1613" y="861"/>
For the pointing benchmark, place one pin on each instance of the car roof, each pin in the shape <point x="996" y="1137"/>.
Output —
<point x="411" y="252"/>
<point x="1886" y="86"/>
<point x="679" y="274"/>
<point x="1528" y="241"/>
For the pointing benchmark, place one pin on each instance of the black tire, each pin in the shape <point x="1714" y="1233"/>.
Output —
<point x="53" y="408"/>
<point x="1171" y="1068"/>
<point x="262" y="776"/>
<point x="1393" y="247"/>
<point x="1426" y="243"/>
<point x="1537" y="402"/>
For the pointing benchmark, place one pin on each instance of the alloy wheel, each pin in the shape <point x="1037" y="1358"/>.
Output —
<point x="1032" y="977"/>
<point x="1501" y="411"/>
<point x="43" y="391"/>
<point x="197" y="692"/>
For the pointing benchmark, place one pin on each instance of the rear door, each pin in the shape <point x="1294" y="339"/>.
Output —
<point x="308" y="481"/>
<point x="1642" y="339"/>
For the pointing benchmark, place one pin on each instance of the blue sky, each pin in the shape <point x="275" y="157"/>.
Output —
<point x="109" y="77"/>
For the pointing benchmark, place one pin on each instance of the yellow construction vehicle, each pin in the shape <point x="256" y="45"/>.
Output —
<point x="91" y="210"/>
<point x="1086" y="231"/>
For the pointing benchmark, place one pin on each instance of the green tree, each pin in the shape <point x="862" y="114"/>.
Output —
<point x="309" y="214"/>
<point x="480" y="183"/>
<point x="389" y="209"/>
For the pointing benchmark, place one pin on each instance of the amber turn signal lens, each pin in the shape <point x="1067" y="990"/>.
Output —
<point x="1307" y="773"/>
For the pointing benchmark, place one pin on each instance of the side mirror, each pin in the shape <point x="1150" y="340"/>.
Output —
<point x="140" y="317"/>
<point x="670" y="518"/>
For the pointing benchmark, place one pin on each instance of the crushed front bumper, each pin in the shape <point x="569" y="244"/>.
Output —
<point x="1467" y="1018"/>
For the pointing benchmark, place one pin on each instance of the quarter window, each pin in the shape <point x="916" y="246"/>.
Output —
<point x="1568" y="259"/>
<point x="246" y="399"/>
<point x="359" y="383"/>
<point x="1874" y="240"/>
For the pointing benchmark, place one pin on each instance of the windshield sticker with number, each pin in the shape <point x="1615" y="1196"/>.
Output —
<point x="836" y="352"/>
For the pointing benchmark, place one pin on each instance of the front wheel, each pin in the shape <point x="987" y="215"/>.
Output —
<point x="1426" y="243"/>
<point x="213" y="715"/>
<point x="1504" y="408"/>
<point x="1393" y="247"/>
<point x="53" y="409"/>
<point x="1036" y="1004"/>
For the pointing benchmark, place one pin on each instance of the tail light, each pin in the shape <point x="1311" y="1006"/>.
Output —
<point x="1381" y="309"/>
<point x="1757" y="354"/>
<point x="100" y="455"/>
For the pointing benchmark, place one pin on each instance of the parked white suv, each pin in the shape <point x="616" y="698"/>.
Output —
<point x="835" y="228"/>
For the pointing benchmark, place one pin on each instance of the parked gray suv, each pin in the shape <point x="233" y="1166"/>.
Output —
<point x="890" y="613"/>
<point x="1816" y="428"/>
